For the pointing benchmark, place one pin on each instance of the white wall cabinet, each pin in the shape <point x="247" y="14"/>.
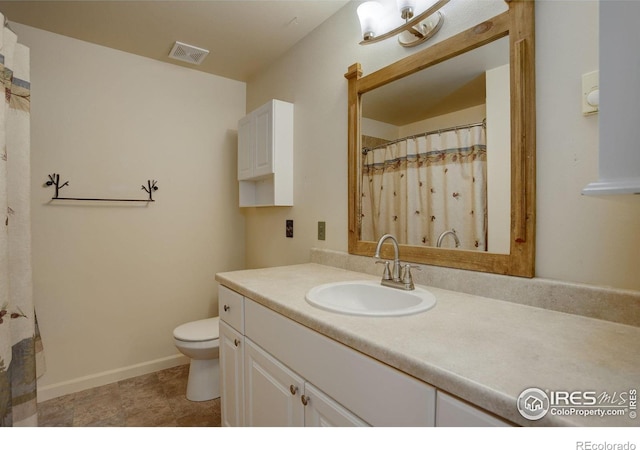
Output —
<point x="265" y="155"/>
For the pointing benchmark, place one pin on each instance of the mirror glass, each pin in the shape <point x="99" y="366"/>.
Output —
<point x="448" y="135"/>
<point x="435" y="154"/>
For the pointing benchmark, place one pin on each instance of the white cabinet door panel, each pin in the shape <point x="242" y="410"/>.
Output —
<point x="263" y="155"/>
<point x="246" y="144"/>
<point x="231" y="376"/>
<point x="323" y="411"/>
<point x="272" y="391"/>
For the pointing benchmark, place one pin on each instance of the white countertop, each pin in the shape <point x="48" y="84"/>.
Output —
<point x="482" y="350"/>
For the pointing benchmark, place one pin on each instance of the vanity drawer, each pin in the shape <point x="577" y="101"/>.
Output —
<point x="231" y="308"/>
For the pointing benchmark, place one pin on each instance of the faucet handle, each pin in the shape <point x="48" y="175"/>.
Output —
<point x="387" y="271"/>
<point x="406" y="272"/>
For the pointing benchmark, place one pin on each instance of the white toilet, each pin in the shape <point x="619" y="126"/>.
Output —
<point x="199" y="341"/>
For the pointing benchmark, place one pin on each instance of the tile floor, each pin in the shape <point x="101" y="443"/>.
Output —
<point x="154" y="400"/>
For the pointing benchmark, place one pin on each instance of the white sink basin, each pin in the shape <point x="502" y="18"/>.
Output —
<point x="369" y="298"/>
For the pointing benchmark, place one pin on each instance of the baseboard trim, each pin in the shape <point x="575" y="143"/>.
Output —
<point x="111" y="376"/>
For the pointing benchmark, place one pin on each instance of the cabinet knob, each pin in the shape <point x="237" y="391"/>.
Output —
<point x="227" y="307"/>
<point x="293" y="389"/>
<point x="236" y="342"/>
<point x="305" y="400"/>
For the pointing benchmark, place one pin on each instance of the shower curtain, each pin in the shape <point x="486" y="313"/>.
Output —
<point x="19" y="342"/>
<point x="422" y="186"/>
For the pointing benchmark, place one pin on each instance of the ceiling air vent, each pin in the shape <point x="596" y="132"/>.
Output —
<point x="188" y="53"/>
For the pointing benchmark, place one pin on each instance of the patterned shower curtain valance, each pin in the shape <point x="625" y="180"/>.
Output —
<point x="420" y="187"/>
<point x="19" y="339"/>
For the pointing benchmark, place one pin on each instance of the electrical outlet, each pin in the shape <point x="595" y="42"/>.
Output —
<point x="321" y="231"/>
<point x="289" y="228"/>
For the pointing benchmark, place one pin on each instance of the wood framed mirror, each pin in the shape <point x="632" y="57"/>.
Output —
<point x="516" y="26"/>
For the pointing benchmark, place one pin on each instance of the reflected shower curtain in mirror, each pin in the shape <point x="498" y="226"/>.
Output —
<point x="19" y="342"/>
<point x="420" y="187"/>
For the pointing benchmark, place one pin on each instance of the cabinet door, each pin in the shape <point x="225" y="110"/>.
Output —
<point x="246" y="147"/>
<point x="231" y="376"/>
<point x="322" y="411"/>
<point x="272" y="391"/>
<point x="263" y="153"/>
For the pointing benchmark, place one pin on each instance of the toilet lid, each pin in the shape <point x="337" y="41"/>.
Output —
<point x="200" y="330"/>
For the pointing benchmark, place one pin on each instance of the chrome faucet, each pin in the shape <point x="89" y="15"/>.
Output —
<point x="396" y="280"/>
<point x="445" y="233"/>
<point x="396" y="249"/>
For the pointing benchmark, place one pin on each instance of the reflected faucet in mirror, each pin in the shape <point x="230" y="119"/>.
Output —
<point x="446" y="233"/>
<point x="397" y="280"/>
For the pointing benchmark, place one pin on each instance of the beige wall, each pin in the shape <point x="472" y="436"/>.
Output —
<point x="587" y="239"/>
<point x="111" y="281"/>
<point x="591" y="240"/>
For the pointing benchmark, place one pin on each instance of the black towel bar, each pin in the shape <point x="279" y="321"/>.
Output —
<point x="54" y="180"/>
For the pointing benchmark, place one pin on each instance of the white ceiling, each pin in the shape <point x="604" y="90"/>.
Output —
<point x="243" y="37"/>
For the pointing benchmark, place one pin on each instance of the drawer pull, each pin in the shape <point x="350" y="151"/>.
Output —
<point x="293" y="389"/>
<point x="305" y="400"/>
<point x="227" y="307"/>
<point x="236" y="342"/>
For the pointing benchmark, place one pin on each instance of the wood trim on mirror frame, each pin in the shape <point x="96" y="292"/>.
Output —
<point x="518" y="24"/>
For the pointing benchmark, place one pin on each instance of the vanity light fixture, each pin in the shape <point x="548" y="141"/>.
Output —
<point x="413" y="21"/>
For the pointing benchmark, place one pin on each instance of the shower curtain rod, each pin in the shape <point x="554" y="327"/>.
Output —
<point x="366" y="150"/>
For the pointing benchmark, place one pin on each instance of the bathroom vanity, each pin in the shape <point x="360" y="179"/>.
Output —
<point x="463" y="362"/>
<point x="292" y="374"/>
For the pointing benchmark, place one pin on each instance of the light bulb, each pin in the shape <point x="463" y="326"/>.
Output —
<point x="369" y="15"/>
